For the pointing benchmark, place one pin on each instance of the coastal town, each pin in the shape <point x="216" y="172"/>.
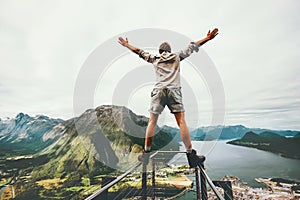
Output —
<point x="273" y="191"/>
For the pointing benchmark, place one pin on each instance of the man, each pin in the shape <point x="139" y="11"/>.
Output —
<point x="167" y="90"/>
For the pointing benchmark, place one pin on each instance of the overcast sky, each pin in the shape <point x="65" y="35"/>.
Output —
<point x="43" y="45"/>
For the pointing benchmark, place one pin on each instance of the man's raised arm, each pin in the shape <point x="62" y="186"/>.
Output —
<point x="125" y="43"/>
<point x="194" y="46"/>
<point x="144" y="55"/>
<point x="209" y="36"/>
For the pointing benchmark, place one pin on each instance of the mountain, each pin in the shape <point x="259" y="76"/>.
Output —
<point x="268" y="141"/>
<point x="23" y="134"/>
<point x="210" y="132"/>
<point x="100" y="139"/>
<point x="297" y="136"/>
<point x="285" y="133"/>
<point x="218" y="132"/>
<point x="225" y="132"/>
<point x="173" y="131"/>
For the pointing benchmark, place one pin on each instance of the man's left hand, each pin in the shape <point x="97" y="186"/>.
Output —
<point x="211" y="35"/>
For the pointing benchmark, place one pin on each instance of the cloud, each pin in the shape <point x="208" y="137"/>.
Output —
<point x="43" y="45"/>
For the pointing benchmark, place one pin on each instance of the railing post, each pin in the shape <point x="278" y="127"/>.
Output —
<point x="144" y="181"/>
<point x="203" y="183"/>
<point x="227" y="187"/>
<point x="197" y="182"/>
<point x="153" y="178"/>
<point x="213" y="187"/>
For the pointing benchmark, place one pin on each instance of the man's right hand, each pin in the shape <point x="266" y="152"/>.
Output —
<point x="123" y="42"/>
<point x="126" y="44"/>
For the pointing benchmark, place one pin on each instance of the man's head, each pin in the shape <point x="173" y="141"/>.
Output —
<point x="164" y="47"/>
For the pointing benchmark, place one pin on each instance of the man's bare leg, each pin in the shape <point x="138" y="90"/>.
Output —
<point x="192" y="157"/>
<point x="184" y="131"/>
<point x="150" y="131"/>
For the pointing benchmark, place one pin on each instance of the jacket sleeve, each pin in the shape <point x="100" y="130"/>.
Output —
<point x="147" y="56"/>
<point x="188" y="51"/>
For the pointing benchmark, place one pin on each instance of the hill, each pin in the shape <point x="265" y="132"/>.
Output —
<point x="268" y="141"/>
<point x="110" y="135"/>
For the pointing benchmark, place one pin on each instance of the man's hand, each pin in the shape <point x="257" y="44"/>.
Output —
<point x="123" y="42"/>
<point x="211" y="35"/>
<point x="126" y="44"/>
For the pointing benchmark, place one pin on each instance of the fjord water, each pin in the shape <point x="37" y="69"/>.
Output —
<point x="246" y="163"/>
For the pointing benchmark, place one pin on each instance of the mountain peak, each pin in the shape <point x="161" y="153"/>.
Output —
<point x="23" y="134"/>
<point x="22" y="115"/>
<point x="41" y="117"/>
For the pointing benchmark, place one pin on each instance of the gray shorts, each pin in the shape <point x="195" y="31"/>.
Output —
<point x="160" y="97"/>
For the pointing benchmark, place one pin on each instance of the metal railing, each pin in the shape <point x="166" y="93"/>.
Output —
<point x="203" y="178"/>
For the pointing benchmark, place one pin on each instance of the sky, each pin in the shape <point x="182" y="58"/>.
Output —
<point x="44" y="44"/>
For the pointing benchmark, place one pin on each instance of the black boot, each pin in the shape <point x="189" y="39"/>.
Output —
<point x="194" y="159"/>
<point x="144" y="157"/>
